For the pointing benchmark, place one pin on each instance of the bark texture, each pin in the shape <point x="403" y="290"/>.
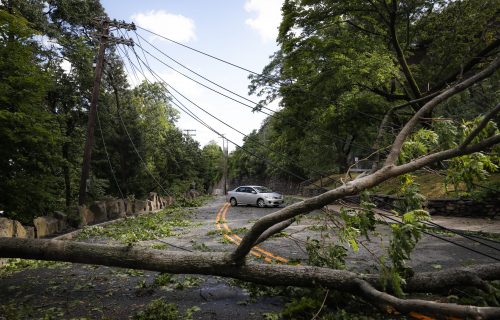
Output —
<point x="219" y="264"/>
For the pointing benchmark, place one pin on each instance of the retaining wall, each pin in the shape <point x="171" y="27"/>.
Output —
<point x="97" y="212"/>
<point x="446" y="207"/>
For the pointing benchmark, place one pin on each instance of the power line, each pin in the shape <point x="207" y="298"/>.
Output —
<point x="182" y="107"/>
<point x="326" y="133"/>
<point x="443" y="239"/>
<point x="139" y="60"/>
<point x="431" y="223"/>
<point x="210" y="114"/>
<point x="203" y="53"/>
<point x="139" y="155"/>
<point x="194" y="72"/>
<point x="107" y="155"/>
<point x="221" y="60"/>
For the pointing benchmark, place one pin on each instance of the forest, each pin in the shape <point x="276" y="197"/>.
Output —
<point x="47" y="57"/>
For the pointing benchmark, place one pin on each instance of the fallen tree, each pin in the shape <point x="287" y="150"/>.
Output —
<point x="235" y="264"/>
<point x="221" y="264"/>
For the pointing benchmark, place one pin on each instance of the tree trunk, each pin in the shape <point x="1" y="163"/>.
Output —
<point x="66" y="173"/>
<point x="220" y="264"/>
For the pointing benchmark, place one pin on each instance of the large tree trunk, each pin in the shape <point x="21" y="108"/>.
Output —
<point x="220" y="264"/>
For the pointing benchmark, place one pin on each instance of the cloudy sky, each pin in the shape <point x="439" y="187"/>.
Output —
<point x="240" y="31"/>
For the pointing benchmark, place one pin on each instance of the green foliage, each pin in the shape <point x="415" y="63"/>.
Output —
<point x="409" y="196"/>
<point x="163" y="279"/>
<point x="29" y="138"/>
<point x="469" y="170"/>
<point x="191" y="202"/>
<point x="97" y="188"/>
<point x="140" y="228"/>
<point x="341" y="65"/>
<point x="301" y="308"/>
<point x="43" y="117"/>
<point x="420" y="143"/>
<point x="325" y="255"/>
<point x="14" y="265"/>
<point x="160" y="309"/>
<point x="404" y="239"/>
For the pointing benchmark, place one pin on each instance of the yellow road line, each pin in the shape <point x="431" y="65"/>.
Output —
<point x="269" y="254"/>
<point x="221" y="219"/>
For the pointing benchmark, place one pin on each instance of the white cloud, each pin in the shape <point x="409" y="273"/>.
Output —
<point x="268" y="17"/>
<point x="174" y="26"/>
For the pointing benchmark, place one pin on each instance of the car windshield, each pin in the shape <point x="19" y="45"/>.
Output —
<point x="263" y="189"/>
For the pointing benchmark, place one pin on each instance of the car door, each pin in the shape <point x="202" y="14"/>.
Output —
<point x="251" y="197"/>
<point x="244" y="195"/>
<point x="240" y="194"/>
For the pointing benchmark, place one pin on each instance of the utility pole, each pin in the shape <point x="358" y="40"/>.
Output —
<point x="104" y="40"/>
<point x="188" y="132"/>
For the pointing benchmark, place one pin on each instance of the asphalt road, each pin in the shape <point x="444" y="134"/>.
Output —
<point x="98" y="292"/>
<point x="430" y="254"/>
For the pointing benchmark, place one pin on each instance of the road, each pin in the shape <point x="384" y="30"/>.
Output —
<point x="97" y="292"/>
<point x="430" y="253"/>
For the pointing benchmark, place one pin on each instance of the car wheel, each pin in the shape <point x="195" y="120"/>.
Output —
<point x="233" y="201"/>
<point x="261" y="203"/>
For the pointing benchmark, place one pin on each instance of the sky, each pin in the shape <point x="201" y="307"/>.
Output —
<point x="242" y="32"/>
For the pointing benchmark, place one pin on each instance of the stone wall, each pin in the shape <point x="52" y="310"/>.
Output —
<point x="14" y="229"/>
<point x="97" y="212"/>
<point x="446" y="207"/>
<point x="110" y="209"/>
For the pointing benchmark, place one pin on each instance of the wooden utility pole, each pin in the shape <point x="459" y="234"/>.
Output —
<point x="87" y="153"/>
<point x="190" y="132"/>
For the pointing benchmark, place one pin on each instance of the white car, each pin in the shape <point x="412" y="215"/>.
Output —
<point x="254" y="195"/>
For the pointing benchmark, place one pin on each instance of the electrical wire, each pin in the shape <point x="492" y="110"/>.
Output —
<point x="186" y="110"/>
<point x="140" y="61"/>
<point x="139" y="155"/>
<point x="387" y="216"/>
<point x="194" y="72"/>
<point x="107" y="155"/>
<point x="444" y="239"/>
<point x="221" y="60"/>
<point x="253" y="108"/>
<point x="196" y="118"/>
<point x="203" y="53"/>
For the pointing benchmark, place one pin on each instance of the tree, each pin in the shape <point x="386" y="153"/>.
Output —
<point x="344" y="64"/>
<point x="214" y="164"/>
<point x="29" y="136"/>
<point x="235" y="265"/>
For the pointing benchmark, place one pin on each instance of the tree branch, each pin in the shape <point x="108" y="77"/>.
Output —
<point x="353" y="187"/>
<point x="399" y="52"/>
<point x="385" y="301"/>
<point x="387" y="95"/>
<point x="273" y="230"/>
<point x="364" y="30"/>
<point x="468" y="66"/>
<point x="217" y="264"/>
<point x="405" y="132"/>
